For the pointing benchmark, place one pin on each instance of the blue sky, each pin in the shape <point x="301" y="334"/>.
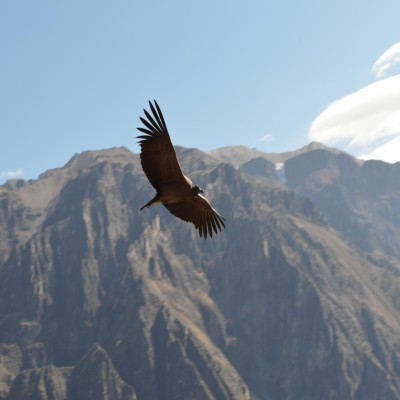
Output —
<point x="75" y="75"/>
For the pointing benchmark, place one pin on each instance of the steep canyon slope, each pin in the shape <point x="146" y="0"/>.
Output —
<point x="101" y="301"/>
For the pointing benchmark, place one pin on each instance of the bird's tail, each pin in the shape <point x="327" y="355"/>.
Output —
<point x="151" y="202"/>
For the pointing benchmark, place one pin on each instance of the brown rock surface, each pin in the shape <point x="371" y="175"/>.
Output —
<point x="100" y="301"/>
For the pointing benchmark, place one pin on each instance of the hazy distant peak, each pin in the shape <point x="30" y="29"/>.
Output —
<point x="316" y="145"/>
<point x="239" y="155"/>
<point x="90" y="156"/>
<point x="236" y="155"/>
<point x="80" y="161"/>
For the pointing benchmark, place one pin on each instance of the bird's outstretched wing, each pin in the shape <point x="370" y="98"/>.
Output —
<point x="199" y="212"/>
<point x="158" y="155"/>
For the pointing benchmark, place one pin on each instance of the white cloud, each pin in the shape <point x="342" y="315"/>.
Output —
<point x="389" y="152"/>
<point x="266" y="138"/>
<point x="12" y="174"/>
<point x="387" y="61"/>
<point x="362" y="121"/>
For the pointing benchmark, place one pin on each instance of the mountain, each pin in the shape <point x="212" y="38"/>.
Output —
<point x="360" y="200"/>
<point x="101" y="301"/>
<point x="238" y="155"/>
<point x="261" y="168"/>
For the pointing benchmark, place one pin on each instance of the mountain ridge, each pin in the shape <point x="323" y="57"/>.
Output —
<point x="280" y="305"/>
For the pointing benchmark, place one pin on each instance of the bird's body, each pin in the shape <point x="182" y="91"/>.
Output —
<point x="174" y="190"/>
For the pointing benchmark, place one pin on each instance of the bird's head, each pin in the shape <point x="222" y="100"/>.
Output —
<point x="196" y="190"/>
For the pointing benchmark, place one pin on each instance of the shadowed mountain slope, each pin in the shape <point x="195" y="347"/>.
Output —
<point x="361" y="200"/>
<point x="98" y="300"/>
<point x="239" y="155"/>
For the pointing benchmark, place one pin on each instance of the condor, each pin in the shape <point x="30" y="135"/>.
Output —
<point x="174" y="190"/>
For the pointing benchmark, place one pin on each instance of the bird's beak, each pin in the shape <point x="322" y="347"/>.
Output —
<point x="201" y="191"/>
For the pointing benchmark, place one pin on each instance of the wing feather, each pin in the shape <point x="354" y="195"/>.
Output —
<point x="160" y="122"/>
<point x="161" y="115"/>
<point x="199" y="212"/>
<point x="157" y="127"/>
<point x="220" y="221"/>
<point x="150" y="127"/>
<point x="210" y="229"/>
<point x="213" y="223"/>
<point x="158" y="155"/>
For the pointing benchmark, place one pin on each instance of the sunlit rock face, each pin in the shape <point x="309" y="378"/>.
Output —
<point x="101" y="301"/>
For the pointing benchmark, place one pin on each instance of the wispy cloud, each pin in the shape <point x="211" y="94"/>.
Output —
<point x="387" y="61"/>
<point x="12" y="174"/>
<point x="388" y="152"/>
<point x="365" y="122"/>
<point x="266" y="138"/>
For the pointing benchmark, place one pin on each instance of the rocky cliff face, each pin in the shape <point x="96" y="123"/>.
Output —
<point x="360" y="200"/>
<point x="100" y="301"/>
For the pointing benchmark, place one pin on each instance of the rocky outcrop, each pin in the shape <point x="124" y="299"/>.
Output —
<point x="262" y="169"/>
<point x="360" y="200"/>
<point x="100" y="301"/>
<point x="94" y="377"/>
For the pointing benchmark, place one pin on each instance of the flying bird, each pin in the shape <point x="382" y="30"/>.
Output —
<point x="174" y="190"/>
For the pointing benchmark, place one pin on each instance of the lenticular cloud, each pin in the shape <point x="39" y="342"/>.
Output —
<point x="364" y="122"/>
<point x="12" y="174"/>
<point x="388" y="152"/>
<point x="387" y="61"/>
